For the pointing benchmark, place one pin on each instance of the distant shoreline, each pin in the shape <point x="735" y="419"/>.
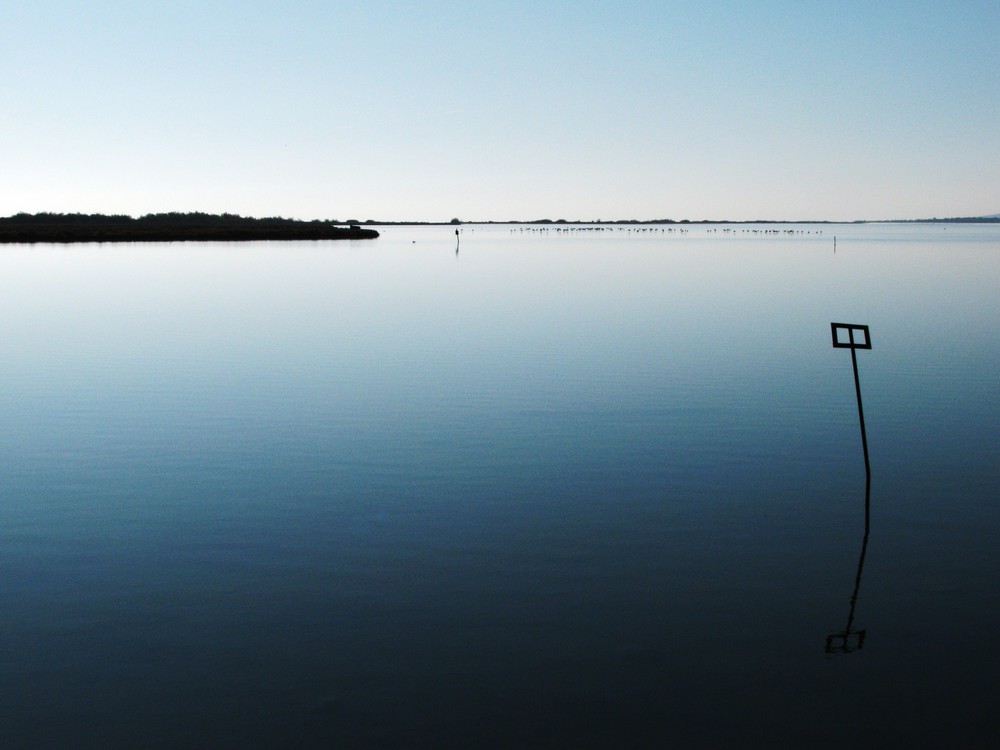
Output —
<point x="673" y="222"/>
<point x="200" y="227"/>
<point x="173" y="227"/>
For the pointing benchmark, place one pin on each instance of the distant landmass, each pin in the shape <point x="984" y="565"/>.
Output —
<point x="170" y="227"/>
<point x="202" y="227"/>
<point x="959" y="220"/>
<point x="964" y="219"/>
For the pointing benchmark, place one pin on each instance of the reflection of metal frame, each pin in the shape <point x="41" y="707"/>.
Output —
<point x="852" y="343"/>
<point x="848" y="640"/>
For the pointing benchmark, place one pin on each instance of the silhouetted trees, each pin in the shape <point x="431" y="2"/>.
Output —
<point x="168" y="227"/>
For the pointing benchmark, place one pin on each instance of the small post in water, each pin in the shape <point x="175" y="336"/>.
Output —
<point x="853" y="337"/>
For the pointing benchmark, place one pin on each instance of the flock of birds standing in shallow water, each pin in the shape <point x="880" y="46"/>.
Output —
<point x="680" y="230"/>
<point x="730" y="231"/>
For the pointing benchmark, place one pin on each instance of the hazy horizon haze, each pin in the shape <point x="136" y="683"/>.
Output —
<point x="775" y="110"/>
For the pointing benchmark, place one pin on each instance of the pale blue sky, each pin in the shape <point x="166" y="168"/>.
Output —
<point x="505" y="110"/>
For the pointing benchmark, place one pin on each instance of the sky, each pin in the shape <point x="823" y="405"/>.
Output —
<point x="427" y="111"/>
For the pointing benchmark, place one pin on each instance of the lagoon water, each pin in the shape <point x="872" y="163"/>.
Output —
<point x="555" y="487"/>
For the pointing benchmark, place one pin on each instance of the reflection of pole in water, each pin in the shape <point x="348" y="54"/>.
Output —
<point x="857" y="337"/>
<point x="849" y="639"/>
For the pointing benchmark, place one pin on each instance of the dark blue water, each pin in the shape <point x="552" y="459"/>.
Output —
<point x="557" y="489"/>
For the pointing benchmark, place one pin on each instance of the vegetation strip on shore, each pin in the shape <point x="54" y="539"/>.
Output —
<point x="169" y="227"/>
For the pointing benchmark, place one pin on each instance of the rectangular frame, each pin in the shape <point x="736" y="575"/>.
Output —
<point x="850" y="328"/>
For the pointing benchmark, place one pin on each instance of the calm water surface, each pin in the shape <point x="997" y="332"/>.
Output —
<point x="600" y="487"/>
